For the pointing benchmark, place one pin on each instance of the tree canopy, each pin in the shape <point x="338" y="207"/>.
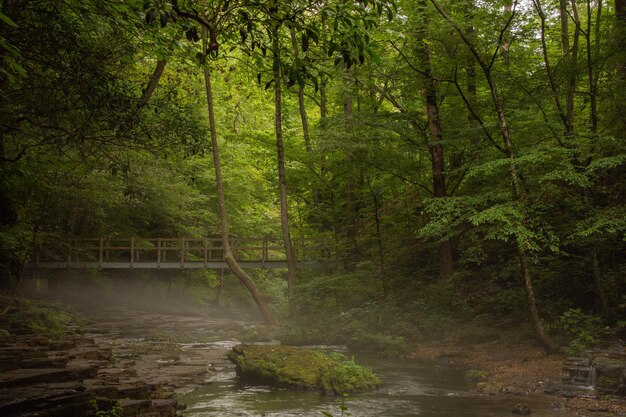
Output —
<point x="462" y="154"/>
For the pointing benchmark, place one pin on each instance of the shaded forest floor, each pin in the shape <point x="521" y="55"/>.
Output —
<point x="500" y="364"/>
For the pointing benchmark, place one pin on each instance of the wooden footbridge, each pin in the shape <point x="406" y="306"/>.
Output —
<point x="176" y="253"/>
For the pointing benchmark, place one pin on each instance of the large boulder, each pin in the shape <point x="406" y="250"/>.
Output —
<point x="300" y="368"/>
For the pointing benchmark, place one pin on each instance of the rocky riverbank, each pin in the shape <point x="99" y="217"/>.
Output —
<point x="499" y="363"/>
<point x="116" y="361"/>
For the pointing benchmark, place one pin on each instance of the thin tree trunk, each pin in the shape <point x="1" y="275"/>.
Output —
<point x="305" y="121"/>
<point x="435" y="136"/>
<point x="472" y="95"/>
<point x="506" y="39"/>
<point x="551" y="78"/>
<point x="597" y="281"/>
<point x="301" y="105"/>
<point x="570" y="55"/>
<point x="620" y="48"/>
<point x="620" y="31"/>
<point x="282" y="182"/>
<point x="245" y="279"/>
<point x="593" y="109"/>
<point x="152" y="84"/>
<point x="542" y="336"/>
<point x="379" y="241"/>
<point x="352" y="226"/>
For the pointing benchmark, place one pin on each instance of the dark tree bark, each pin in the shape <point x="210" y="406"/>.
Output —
<point x="620" y="31"/>
<point x="570" y="55"/>
<point x="470" y="69"/>
<point x="351" y="207"/>
<point x="597" y="281"/>
<point x="301" y="105"/>
<point x="435" y="135"/>
<point x="152" y="84"/>
<point x="379" y="240"/>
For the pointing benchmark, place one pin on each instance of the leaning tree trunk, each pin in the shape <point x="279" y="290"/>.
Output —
<point x="540" y="333"/>
<point x="282" y="182"/>
<point x="245" y="279"/>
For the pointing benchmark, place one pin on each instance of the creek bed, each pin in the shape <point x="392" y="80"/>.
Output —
<point x="411" y="388"/>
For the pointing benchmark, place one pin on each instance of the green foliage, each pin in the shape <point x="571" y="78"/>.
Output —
<point x="81" y="156"/>
<point x="582" y="328"/>
<point x="343" y="407"/>
<point x="345" y="376"/>
<point x="475" y="375"/>
<point x="115" y="411"/>
<point x="37" y="316"/>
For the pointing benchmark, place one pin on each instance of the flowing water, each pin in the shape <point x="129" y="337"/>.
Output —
<point x="411" y="388"/>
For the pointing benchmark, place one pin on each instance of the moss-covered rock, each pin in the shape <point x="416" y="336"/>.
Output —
<point x="301" y="369"/>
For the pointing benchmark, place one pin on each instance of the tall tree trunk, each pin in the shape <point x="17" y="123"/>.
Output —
<point x="597" y="281"/>
<point x="540" y="333"/>
<point x="379" y="240"/>
<point x="551" y="78"/>
<point x="282" y="182"/>
<point x="351" y="208"/>
<point x="570" y="55"/>
<point x="472" y="96"/>
<point x="305" y="123"/>
<point x="591" y="73"/>
<point x="301" y="105"/>
<point x="245" y="279"/>
<point x="620" y="31"/>
<point x="435" y="136"/>
<point x="506" y="38"/>
<point x="620" y="48"/>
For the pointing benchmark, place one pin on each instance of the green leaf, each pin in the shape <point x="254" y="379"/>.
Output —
<point x="374" y="55"/>
<point x="6" y="19"/>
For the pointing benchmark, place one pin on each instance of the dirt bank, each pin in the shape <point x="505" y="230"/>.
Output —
<point x="501" y="364"/>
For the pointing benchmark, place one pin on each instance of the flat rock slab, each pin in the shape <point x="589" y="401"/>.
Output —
<point x="43" y="400"/>
<point x="20" y="377"/>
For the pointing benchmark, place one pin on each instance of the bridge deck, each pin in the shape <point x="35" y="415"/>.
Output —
<point x="175" y="253"/>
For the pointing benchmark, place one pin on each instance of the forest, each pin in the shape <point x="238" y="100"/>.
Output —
<point x="462" y="161"/>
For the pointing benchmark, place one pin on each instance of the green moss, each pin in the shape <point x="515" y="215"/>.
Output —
<point x="37" y="316"/>
<point x="301" y="369"/>
<point x="475" y="375"/>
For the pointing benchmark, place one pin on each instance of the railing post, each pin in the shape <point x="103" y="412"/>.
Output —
<point x="205" y="241"/>
<point x="182" y="252"/>
<point x="132" y="251"/>
<point x="265" y="251"/>
<point x="101" y="252"/>
<point x="159" y="253"/>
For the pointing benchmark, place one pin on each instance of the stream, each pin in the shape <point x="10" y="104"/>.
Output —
<point x="187" y="355"/>
<point x="411" y="388"/>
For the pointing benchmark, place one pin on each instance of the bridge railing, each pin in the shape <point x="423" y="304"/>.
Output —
<point x="137" y="250"/>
